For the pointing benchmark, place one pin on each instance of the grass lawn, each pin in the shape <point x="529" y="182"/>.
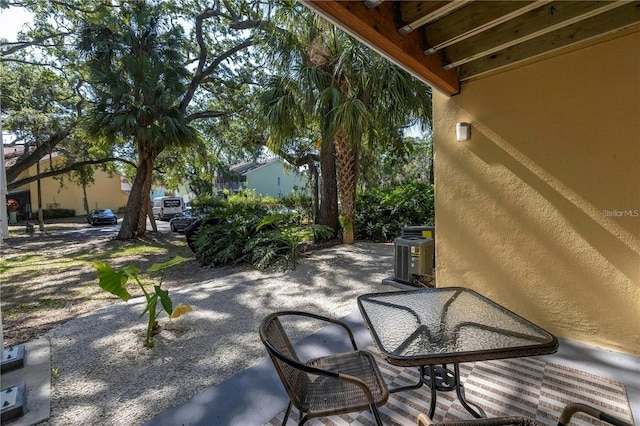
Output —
<point x="47" y="280"/>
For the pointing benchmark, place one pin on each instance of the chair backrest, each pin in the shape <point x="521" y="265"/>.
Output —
<point x="280" y="351"/>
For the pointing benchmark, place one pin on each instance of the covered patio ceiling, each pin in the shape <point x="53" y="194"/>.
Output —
<point x="446" y="43"/>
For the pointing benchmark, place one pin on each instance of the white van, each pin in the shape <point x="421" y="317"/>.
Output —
<point x="164" y="208"/>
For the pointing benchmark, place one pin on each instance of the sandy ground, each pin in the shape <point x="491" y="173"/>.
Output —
<point x="106" y="377"/>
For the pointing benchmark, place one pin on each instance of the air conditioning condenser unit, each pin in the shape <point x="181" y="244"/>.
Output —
<point x="413" y="262"/>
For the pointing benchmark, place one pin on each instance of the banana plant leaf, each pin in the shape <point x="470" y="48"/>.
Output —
<point x="166" y="302"/>
<point x="180" y="310"/>
<point x="113" y="281"/>
<point x="168" y="264"/>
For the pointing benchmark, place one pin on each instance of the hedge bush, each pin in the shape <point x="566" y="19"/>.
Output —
<point x="56" y="213"/>
<point x="248" y="231"/>
<point x="381" y="214"/>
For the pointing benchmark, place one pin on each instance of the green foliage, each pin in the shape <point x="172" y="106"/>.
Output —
<point x="115" y="282"/>
<point x="206" y="204"/>
<point x="381" y="214"/>
<point x="249" y="198"/>
<point x="399" y="160"/>
<point x="250" y="232"/>
<point x="301" y="203"/>
<point x="328" y="87"/>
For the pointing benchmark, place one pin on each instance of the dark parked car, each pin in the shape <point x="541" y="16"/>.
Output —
<point x="183" y="220"/>
<point x="101" y="217"/>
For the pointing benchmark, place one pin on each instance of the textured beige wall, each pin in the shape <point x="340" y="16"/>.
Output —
<point x="520" y="207"/>
<point x="104" y="193"/>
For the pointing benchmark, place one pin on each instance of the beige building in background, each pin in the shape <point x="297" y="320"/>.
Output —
<point x="108" y="190"/>
<point x="539" y="210"/>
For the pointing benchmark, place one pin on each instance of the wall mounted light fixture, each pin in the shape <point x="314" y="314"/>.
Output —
<point x="463" y="131"/>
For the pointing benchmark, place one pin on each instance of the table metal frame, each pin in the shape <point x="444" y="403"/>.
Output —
<point x="429" y="362"/>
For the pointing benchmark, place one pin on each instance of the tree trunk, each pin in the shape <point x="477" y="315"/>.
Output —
<point x="146" y="190"/>
<point x="329" y="190"/>
<point x="134" y="223"/>
<point x="40" y="213"/>
<point x="315" y="191"/>
<point x="152" y="219"/>
<point x="129" y="227"/>
<point x="85" y="202"/>
<point x="347" y="162"/>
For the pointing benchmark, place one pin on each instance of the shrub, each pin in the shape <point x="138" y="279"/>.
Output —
<point x="206" y="204"/>
<point x="57" y="213"/>
<point x="301" y="203"/>
<point x="381" y="214"/>
<point x="248" y="232"/>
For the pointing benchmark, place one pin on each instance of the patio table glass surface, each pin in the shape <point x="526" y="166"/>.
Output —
<point x="447" y="325"/>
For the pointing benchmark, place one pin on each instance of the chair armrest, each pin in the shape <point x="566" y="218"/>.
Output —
<point x="573" y="408"/>
<point x="298" y="365"/>
<point x="424" y="420"/>
<point x="325" y="319"/>
<point x="361" y="384"/>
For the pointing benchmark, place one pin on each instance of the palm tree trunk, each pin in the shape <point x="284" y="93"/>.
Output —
<point x="315" y="191"/>
<point x="129" y="227"/>
<point x="144" y="200"/>
<point x="329" y="188"/>
<point x="347" y="162"/>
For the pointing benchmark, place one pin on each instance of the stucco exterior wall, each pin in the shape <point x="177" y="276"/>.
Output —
<point x="272" y="180"/>
<point x="105" y="192"/>
<point x="539" y="210"/>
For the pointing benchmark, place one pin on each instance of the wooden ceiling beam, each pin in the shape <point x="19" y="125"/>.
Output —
<point x="471" y="20"/>
<point x="543" y="20"/>
<point x="616" y="19"/>
<point x="377" y="29"/>
<point x="414" y="14"/>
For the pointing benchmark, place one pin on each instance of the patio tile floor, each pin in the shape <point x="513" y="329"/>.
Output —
<point x="255" y="395"/>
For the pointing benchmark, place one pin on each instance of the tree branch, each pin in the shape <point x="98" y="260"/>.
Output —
<point x="247" y="25"/>
<point x="25" y="62"/>
<point x="67" y="169"/>
<point x="226" y="55"/>
<point x="28" y="159"/>
<point x="204" y="114"/>
<point x="202" y="71"/>
<point x="20" y="45"/>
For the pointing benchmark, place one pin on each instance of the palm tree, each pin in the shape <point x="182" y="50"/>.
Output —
<point x="136" y="69"/>
<point x="291" y="99"/>
<point x="358" y="98"/>
<point x="376" y="101"/>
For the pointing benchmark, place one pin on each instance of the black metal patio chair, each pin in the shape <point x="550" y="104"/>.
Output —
<point x="334" y="384"/>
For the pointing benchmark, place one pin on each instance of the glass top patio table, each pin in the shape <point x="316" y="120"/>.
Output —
<point x="448" y="325"/>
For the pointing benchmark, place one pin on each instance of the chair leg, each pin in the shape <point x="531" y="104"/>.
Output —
<point x="303" y="420"/>
<point x="286" y="414"/>
<point x="376" y="414"/>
